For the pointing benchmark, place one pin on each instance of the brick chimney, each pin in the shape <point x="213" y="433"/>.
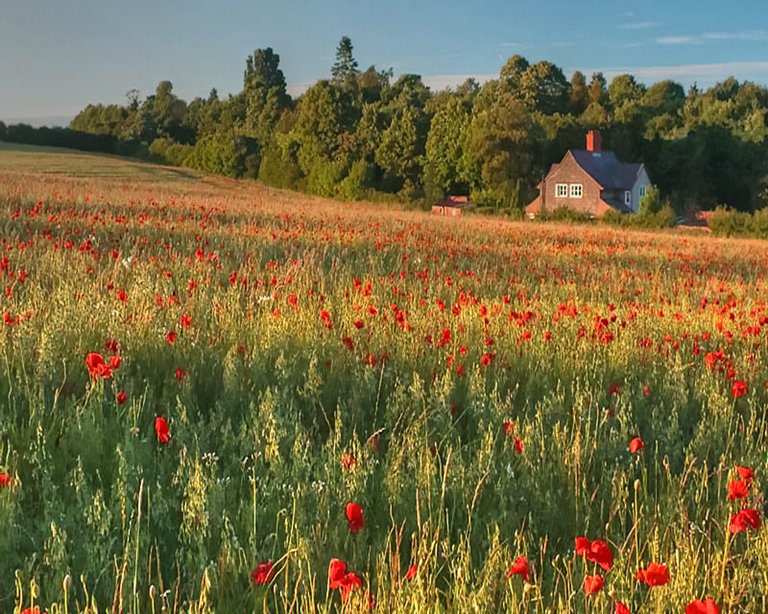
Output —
<point x="594" y="141"/>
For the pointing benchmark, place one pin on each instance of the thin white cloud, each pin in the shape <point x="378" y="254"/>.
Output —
<point x="677" y="40"/>
<point x="709" y="37"/>
<point x="638" y="25"/>
<point x="747" y="35"/>
<point x="703" y="74"/>
<point x="440" y="82"/>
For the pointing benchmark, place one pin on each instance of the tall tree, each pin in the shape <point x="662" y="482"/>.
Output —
<point x="598" y="89"/>
<point x="579" y="93"/>
<point x="264" y="93"/>
<point x="544" y="88"/>
<point x="512" y="71"/>
<point x="344" y="70"/>
<point x="500" y="149"/>
<point x="446" y="146"/>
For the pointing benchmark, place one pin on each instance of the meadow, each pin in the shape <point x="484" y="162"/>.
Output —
<point x="219" y="397"/>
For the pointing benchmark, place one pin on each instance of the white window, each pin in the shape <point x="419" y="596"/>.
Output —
<point x="642" y="191"/>
<point x="561" y="190"/>
<point x="628" y="198"/>
<point x="576" y="190"/>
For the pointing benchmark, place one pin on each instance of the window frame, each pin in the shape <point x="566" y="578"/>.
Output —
<point x="628" y="198"/>
<point x="575" y="190"/>
<point x="561" y="187"/>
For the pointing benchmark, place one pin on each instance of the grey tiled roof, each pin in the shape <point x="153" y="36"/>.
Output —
<point x="605" y="168"/>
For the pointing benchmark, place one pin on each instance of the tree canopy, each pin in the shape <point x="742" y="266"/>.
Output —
<point x="365" y="134"/>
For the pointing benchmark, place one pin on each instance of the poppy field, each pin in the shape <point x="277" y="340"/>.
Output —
<point x="217" y="397"/>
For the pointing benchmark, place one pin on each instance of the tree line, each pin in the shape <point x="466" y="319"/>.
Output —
<point x="362" y="134"/>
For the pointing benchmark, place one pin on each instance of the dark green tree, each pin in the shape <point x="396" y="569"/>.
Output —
<point x="264" y="92"/>
<point x="579" y="93"/>
<point x="544" y="88"/>
<point x="344" y="70"/>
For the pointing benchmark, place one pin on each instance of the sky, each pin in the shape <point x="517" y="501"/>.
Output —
<point x="56" y="56"/>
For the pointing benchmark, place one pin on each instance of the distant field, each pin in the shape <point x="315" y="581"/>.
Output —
<point x="219" y="397"/>
<point x="69" y="162"/>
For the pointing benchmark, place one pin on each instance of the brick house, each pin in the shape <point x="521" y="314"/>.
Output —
<point x="591" y="181"/>
<point x="451" y="206"/>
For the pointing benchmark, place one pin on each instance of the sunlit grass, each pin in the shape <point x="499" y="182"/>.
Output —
<point x="472" y="384"/>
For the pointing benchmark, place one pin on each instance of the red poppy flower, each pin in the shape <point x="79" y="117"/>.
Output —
<point x="656" y="574"/>
<point x="185" y="320"/>
<point x="5" y="480"/>
<point x="614" y="389"/>
<point x="412" y="571"/>
<point x="170" y="336"/>
<point x="738" y="489"/>
<point x="620" y="608"/>
<point x="354" y="516"/>
<point x="746" y="474"/>
<point x="115" y="362"/>
<point x="161" y="430"/>
<point x="121" y="397"/>
<point x="582" y="546"/>
<point x="635" y="445"/>
<point x="263" y="573"/>
<point x="745" y="519"/>
<point x="180" y="373"/>
<point x="339" y="578"/>
<point x="593" y="584"/>
<point x="96" y="366"/>
<point x="739" y="389"/>
<point x="708" y="606"/>
<point x="520" y="568"/>
<point x="359" y="324"/>
<point x="487" y="358"/>
<point x="518" y="445"/>
<point x="336" y="572"/>
<point x="600" y="553"/>
<point x="595" y="552"/>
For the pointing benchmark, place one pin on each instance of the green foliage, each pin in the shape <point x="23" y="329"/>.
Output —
<point x="700" y="147"/>
<point x="651" y="202"/>
<point x="544" y="88"/>
<point x="170" y="152"/>
<point x="446" y="146"/>
<point x="264" y="94"/>
<point x="224" y="153"/>
<point x="499" y="146"/>
<point x="279" y="167"/>
<point x="344" y="70"/>
<point x="729" y="223"/>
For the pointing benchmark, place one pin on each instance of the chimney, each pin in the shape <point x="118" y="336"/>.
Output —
<point x="594" y="142"/>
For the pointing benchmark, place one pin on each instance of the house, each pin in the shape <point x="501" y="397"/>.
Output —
<point x="591" y="181"/>
<point x="451" y="205"/>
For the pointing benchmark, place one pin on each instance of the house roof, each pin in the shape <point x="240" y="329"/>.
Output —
<point x="605" y="168"/>
<point x="454" y="201"/>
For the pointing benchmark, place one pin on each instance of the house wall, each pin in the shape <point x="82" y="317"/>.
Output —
<point x="568" y="171"/>
<point x="642" y="180"/>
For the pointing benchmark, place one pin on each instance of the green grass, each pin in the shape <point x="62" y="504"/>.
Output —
<point x="71" y="163"/>
<point x="486" y="377"/>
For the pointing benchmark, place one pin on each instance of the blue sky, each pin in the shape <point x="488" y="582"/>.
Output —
<point x="58" y="55"/>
